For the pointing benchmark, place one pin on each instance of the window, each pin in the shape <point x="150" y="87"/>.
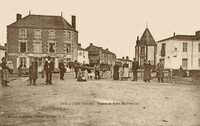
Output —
<point x="23" y="62"/>
<point x="68" y="48"/>
<point x="199" y="47"/>
<point x="68" y="59"/>
<point x="52" y="34"/>
<point x="185" y="63"/>
<point x="163" y="49"/>
<point x="22" y="33"/>
<point x="184" y="47"/>
<point x="142" y="51"/>
<point x="37" y="47"/>
<point x="80" y="53"/>
<point x="37" y="34"/>
<point x="52" y="47"/>
<point x="199" y="62"/>
<point x="22" y="47"/>
<point x="68" y="35"/>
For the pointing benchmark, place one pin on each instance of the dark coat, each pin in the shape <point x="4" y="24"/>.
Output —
<point x="62" y="67"/>
<point x="135" y="66"/>
<point x="160" y="69"/>
<point x="116" y="72"/>
<point x="147" y="71"/>
<point x="49" y="67"/>
<point x="33" y="72"/>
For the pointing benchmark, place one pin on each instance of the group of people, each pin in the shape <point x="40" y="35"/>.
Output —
<point x="147" y="69"/>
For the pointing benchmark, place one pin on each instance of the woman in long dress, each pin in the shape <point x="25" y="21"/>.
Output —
<point x="125" y="70"/>
<point x="116" y="72"/>
<point x="147" y="71"/>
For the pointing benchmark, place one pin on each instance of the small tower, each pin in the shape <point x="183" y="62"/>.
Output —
<point x="145" y="48"/>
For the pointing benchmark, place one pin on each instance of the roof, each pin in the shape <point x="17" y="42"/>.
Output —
<point x="96" y="48"/>
<point x="3" y="47"/>
<point x="147" y="39"/>
<point x="81" y="49"/>
<point x="42" y="21"/>
<point x="180" y="37"/>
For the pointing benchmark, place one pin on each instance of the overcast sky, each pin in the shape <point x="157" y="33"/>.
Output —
<point x="113" y="24"/>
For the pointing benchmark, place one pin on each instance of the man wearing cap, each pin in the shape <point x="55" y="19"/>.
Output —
<point x="48" y="68"/>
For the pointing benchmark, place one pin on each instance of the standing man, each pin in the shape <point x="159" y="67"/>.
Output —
<point x="62" y="70"/>
<point x="160" y="74"/>
<point x="135" y="67"/>
<point x="75" y="65"/>
<point x="33" y="74"/>
<point x="48" y="68"/>
<point x="97" y="71"/>
<point x="116" y="72"/>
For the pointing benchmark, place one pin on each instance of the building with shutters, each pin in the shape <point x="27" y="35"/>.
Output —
<point x="82" y="55"/>
<point x="180" y="50"/>
<point x="145" y="48"/>
<point x="99" y="55"/>
<point x="35" y="37"/>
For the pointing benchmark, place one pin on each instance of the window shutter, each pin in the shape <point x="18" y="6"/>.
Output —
<point x="27" y="62"/>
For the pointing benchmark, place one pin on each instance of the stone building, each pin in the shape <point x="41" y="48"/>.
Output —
<point x="180" y="51"/>
<point x="100" y="55"/>
<point x="145" y="48"/>
<point x="35" y="37"/>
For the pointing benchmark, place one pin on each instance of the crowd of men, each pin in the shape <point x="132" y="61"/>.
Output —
<point x="81" y="70"/>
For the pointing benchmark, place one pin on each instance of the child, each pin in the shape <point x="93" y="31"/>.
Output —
<point x="32" y="74"/>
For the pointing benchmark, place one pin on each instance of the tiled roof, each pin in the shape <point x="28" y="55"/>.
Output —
<point x="181" y="37"/>
<point x="42" y="21"/>
<point x="147" y="39"/>
<point x="82" y="49"/>
<point x="98" y="49"/>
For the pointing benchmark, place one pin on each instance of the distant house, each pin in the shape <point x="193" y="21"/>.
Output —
<point x="100" y="55"/>
<point x="180" y="51"/>
<point x="35" y="37"/>
<point x="82" y="55"/>
<point x="145" y="48"/>
<point x="123" y="60"/>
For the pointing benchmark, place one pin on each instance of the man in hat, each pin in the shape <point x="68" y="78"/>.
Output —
<point x="160" y="73"/>
<point x="62" y="69"/>
<point x="33" y="74"/>
<point x="48" y="68"/>
<point x="135" y="66"/>
<point x="4" y="72"/>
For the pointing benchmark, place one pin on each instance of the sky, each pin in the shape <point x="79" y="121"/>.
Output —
<point x="113" y="24"/>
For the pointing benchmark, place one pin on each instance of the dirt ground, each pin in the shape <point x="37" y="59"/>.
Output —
<point x="99" y="103"/>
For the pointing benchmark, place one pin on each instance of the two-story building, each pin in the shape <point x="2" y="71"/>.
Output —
<point x="35" y="37"/>
<point x="82" y="55"/>
<point x="99" y="55"/>
<point x="123" y="60"/>
<point x="180" y="51"/>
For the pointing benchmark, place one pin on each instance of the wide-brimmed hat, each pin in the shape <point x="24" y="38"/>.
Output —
<point x="3" y="58"/>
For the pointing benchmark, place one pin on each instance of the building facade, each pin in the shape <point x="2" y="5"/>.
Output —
<point x="99" y="55"/>
<point x="35" y="37"/>
<point x="145" y="48"/>
<point x="82" y="55"/>
<point x="180" y="51"/>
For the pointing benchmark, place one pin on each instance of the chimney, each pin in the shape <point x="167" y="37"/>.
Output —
<point x="127" y="57"/>
<point x="198" y="34"/>
<point x="18" y="17"/>
<point x="122" y="57"/>
<point x="74" y="22"/>
<point x="107" y="49"/>
<point x="79" y="44"/>
<point x="137" y="41"/>
<point x="91" y="44"/>
<point x="174" y="34"/>
<point x="5" y="44"/>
